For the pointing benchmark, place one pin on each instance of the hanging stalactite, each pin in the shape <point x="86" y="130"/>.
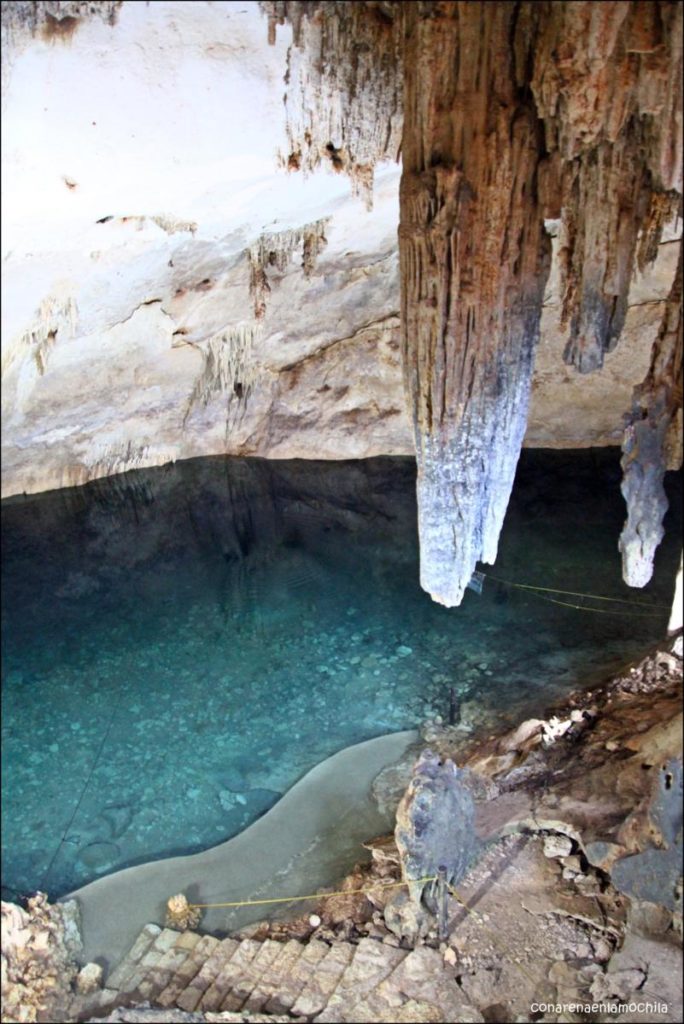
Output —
<point x="474" y="262"/>
<point x="653" y="444"/>
<point x="513" y="113"/>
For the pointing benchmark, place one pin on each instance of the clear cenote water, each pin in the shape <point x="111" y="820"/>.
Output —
<point x="180" y="645"/>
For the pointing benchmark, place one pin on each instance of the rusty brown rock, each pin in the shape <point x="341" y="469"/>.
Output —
<point x="343" y="102"/>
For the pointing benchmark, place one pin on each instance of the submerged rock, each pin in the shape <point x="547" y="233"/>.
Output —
<point x="99" y="857"/>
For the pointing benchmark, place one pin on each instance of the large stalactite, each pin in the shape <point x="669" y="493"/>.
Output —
<point x="653" y="444"/>
<point x="479" y="177"/>
<point x="474" y="262"/>
<point x="514" y="112"/>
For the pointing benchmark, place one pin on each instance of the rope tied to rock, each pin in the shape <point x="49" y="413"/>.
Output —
<point x="543" y="592"/>
<point x="315" y="895"/>
<point x="358" y="892"/>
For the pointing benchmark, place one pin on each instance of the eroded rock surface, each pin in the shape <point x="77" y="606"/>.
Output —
<point x="40" y="947"/>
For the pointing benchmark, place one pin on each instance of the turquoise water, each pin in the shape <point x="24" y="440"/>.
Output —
<point x="180" y="645"/>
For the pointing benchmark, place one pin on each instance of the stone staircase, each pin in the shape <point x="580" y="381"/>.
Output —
<point x="313" y="981"/>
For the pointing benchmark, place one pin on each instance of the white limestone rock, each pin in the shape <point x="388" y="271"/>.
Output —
<point x="89" y="979"/>
<point x="557" y="845"/>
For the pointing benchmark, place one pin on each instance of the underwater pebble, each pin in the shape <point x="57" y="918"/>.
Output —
<point x="99" y="857"/>
<point x="403" y="651"/>
<point x="227" y="799"/>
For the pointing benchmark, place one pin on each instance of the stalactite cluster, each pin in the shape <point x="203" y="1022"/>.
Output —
<point x="343" y="102"/>
<point x="607" y="84"/>
<point x="229" y="365"/>
<point x="514" y="113"/>
<point x="276" y="249"/>
<point x="52" y="316"/>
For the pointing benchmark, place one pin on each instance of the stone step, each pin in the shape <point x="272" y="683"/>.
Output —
<point x="95" y="1004"/>
<point x="190" y="998"/>
<point x="160" y="976"/>
<point x="293" y="984"/>
<point x="275" y="977"/>
<point x="251" y="976"/>
<point x="129" y="964"/>
<point x="323" y="981"/>
<point x="128" y="990"/>
<point x="421" y="977"/>
<point x="187" y="971"/>
<point x="230" y="970"/>
<point x="337" y="984"/>
<point x="372" y="963"/>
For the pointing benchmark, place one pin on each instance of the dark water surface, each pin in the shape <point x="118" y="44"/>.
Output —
<point x="181" y="644"/>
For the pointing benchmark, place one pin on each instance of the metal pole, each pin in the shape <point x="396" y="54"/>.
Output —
<point x="442" y="918"/>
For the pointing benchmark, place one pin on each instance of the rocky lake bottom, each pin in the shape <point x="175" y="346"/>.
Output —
<point x="180" y="645"/>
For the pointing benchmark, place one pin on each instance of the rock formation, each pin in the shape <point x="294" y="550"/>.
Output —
<point x="40" y="947"/>
<point x="513" y="114"/>
<point x="435" y="824"/>
<point x="474" y="263"/>
<point x="344" y="96"/>
<point x="653" y="444"/>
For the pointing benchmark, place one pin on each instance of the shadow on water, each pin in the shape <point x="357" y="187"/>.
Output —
<point x="181" y="644"/>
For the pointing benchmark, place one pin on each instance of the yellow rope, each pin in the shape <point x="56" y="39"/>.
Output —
<point x="358" y="892"/>
<point x="600" y="611"/>
<point x="575" y="593"/>
<point x="316" y="895"/>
